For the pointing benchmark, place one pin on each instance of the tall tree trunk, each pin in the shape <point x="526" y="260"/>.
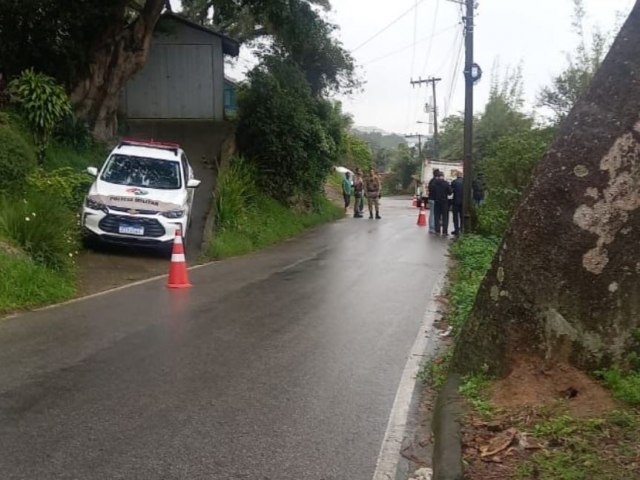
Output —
<point x="119" y="56"/>
<point x="565" y="284"/>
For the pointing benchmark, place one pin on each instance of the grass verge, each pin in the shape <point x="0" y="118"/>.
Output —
<point x="267" y="223"/>
<point x="26" y="284"/>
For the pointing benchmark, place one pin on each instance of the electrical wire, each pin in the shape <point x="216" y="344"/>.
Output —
<point x="433" y="30"/>
<point x="454" y="78"/>
<point x="415" y="35"/>
<point x="406" y="47"/>
<point x="389" y="25"/>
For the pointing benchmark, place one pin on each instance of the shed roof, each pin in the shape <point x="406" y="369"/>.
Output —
<point x="229" y="45"/>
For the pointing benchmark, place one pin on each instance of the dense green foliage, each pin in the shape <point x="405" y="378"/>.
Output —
<point x="289" y="134"/>
<point x="17" y="158"/>
<point x="473" y="255"/>
<point x="507" y="171"/>
<point x="247" y="220"/>
<point x="55" y="40"/>
<point x="43" y="103"/>
<point x="42" y="226"/>
<point x="236" y="193"/>
<point x="26" y="283"/>
<point x="405" y="169"/>
<point x="355" y="153"/>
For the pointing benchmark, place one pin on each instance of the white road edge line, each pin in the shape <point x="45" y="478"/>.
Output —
<point x="140" y="282"/>
<point x="106" y="292"/>
<point x="389" y="456"/>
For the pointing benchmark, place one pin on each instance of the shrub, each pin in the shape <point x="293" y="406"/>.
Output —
<point x="507" y="172"/>
<point x="235" y="193"/>
<point x="285" y="131"/>
<point x="17" y="159"/>
<point x="65" y="184"/>
<point x="42" y="226"/>
<point x="43" y="103"/>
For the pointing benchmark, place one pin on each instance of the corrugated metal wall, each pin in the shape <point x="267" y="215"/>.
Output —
<point x="179" y="80"/>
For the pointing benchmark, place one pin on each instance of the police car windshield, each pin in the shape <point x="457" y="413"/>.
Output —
<point x="142" y="172"/>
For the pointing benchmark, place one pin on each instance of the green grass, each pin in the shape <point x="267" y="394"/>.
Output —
<point x="267" y="223"/>
<point x="27" y="284"/>
<point x="473" y="255"/>
<point x="474" y="389"/>
<point x="584" y="449"/>
<point x="624" y="385"/>
<point x="59" y="155"/>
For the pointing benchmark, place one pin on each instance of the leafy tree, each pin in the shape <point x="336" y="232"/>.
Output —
<point x="567" y="87"/>
<point x="285" y="130"/>
<point x="451" y="138"/>
<point x="405" y="166"/>
<point x="355" y="152"/>
<point x="90" y="46"/>
<point x="291" y="29"/>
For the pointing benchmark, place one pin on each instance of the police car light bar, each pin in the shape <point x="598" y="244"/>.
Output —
<point x="149" y="143"/>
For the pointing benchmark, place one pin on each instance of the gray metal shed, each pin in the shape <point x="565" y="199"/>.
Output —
<point x="183" y="77"/>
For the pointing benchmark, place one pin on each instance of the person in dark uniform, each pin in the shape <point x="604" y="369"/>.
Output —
<point x="440" y="190"/>
<point x="458" y="191"/>
<point x="432" y="208"/>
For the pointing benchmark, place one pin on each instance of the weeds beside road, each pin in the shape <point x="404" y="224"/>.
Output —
<point x="247" y="220"/>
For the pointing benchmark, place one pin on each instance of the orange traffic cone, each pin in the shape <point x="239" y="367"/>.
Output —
<point x="414" y="202"/>
<point x="422" y="218"/>
<point x="178" y="277"/>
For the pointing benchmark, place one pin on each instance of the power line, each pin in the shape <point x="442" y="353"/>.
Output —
<point x="433" y="29"/>
<point x="389" y="25"/>
<point x="424" y="39"/>
<point x="415" y="34"/>
<point x="454" y="83"/>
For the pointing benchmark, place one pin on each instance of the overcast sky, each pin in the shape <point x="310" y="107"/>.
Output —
<point x="537" y="34"/>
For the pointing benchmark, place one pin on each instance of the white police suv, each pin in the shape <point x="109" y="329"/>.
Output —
<point x="142" y="195"/>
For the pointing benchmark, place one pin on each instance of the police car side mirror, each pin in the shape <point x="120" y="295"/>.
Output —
<point x="93" y="171"/>
<point x="193" y="183"/>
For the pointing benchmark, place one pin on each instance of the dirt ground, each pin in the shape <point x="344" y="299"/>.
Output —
<point x="499" y="447"/>
<point x="531" y="385"/>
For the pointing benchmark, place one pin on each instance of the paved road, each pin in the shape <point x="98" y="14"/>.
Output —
<point x="281" y="365"/>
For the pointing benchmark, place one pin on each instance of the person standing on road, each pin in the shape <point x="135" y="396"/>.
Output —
<point x="432" y="213"/>
<point x="458" y="191"/>
<point x="441" y="191"/>
<point x="346" y="190"/>
<point x="373" y="189"/>
<point x="358" y="193"/>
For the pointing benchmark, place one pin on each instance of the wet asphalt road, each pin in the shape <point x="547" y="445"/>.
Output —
<point x="281" y="365"/>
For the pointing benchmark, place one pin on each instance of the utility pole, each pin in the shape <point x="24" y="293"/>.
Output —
<point x="419" y="153"/>
<point x="433" y="81"/>
<point x="468" y="117"/>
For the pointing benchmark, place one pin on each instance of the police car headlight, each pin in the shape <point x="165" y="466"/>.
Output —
<point x="94" y="205"/>
<point x="174" y="214"/>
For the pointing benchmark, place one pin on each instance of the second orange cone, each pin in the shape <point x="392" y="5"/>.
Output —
<point x="178" y="275"/>
<point x="422" y="218"/>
